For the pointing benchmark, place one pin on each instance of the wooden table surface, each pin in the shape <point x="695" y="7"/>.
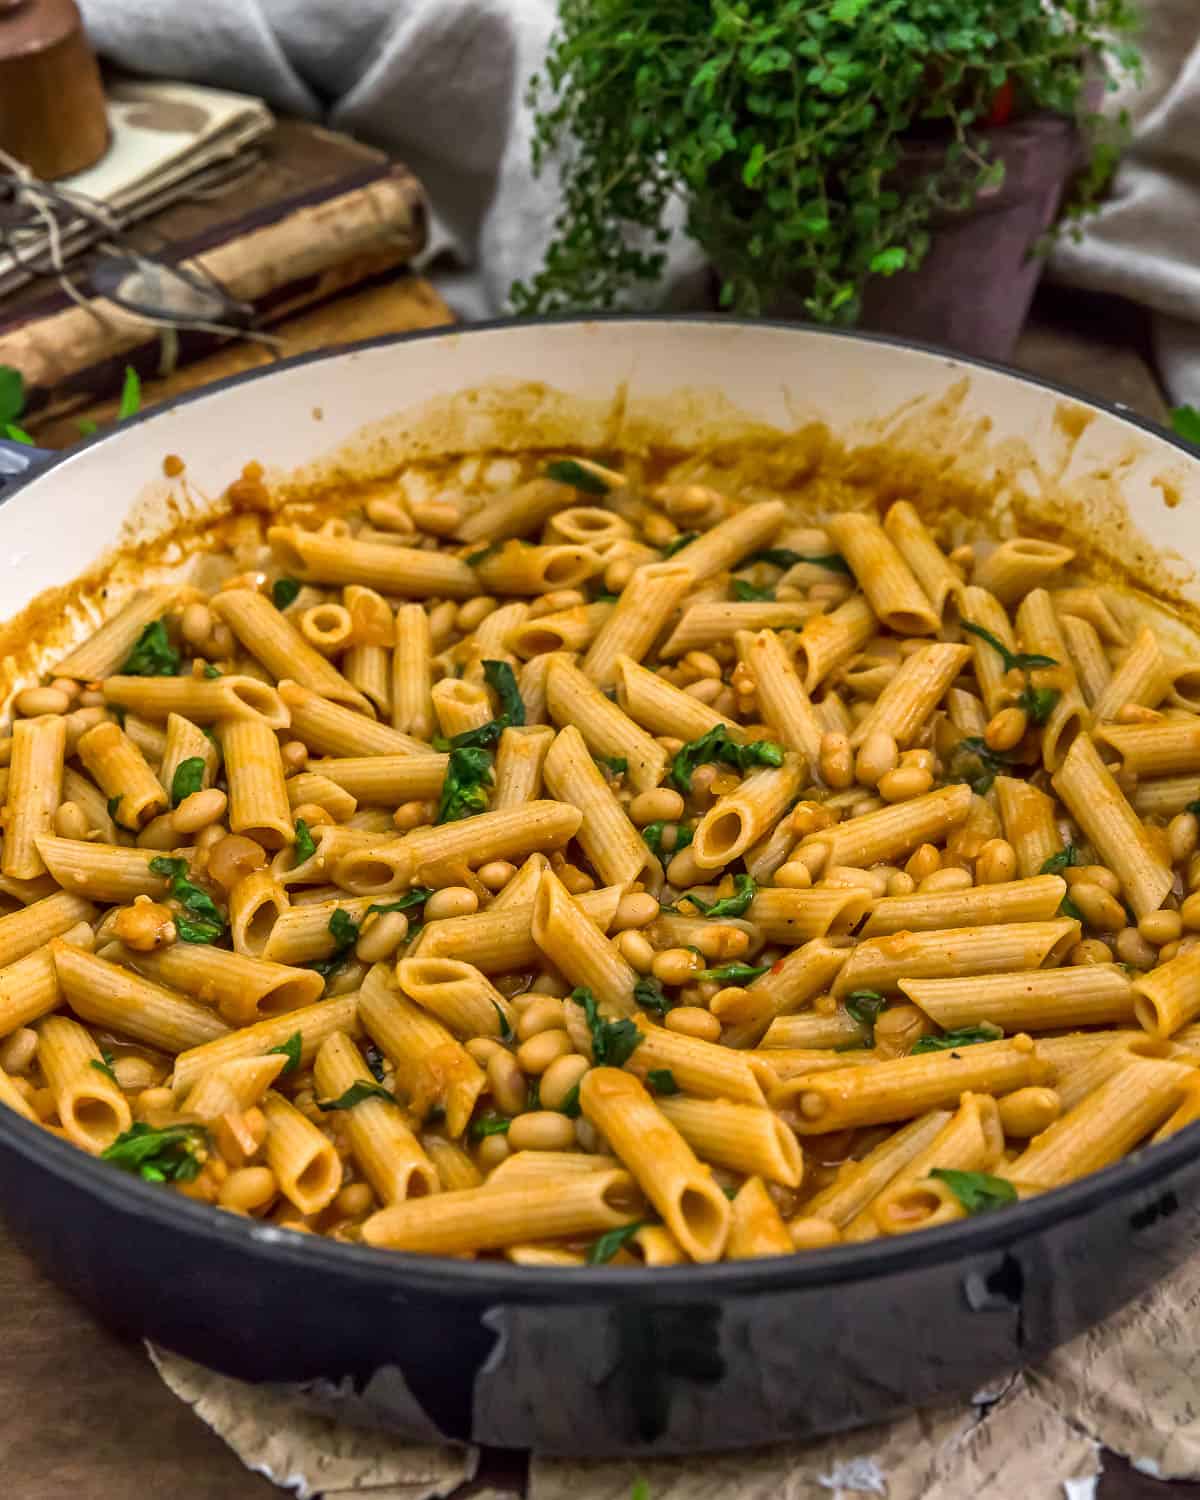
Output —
<point x="83" y="1416"/>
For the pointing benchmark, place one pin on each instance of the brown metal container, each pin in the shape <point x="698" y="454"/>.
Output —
<point x="51" y="99"/>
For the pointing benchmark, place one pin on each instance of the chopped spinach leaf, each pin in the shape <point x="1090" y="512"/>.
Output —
<point x="716" y="745"/>
<point x="464" y="793"/>
<point x="114" y="806"/>
<point x="502" y="680"/>
<point x="355" y="1094"/>
<point x="105" y="1066"/>
<point x="864" y="1007"/>
<point x="1185" y="423"/>
<point x="284" y="591"/>
<point x="991" y="763"/>
<point x="734" y="973"/>
<point x="662" y="1081"/>
<point x="506" y="1031"/>
<point x="978" y="1192"/>
<point x="411" y="898"/>
<point x="175" y="1154"/>
<point x="745" y="592"/>
<point x="609" y="1244"/>
<point x="374" y="1060"/>
<point x="649" y="994"/>
<point x="291" y="1050"/>
<point x="488" y="1125"/>
<point x="201" y="920"/>
<point x="188" y="778"/>
<point x="1069" y="909"/>
<point x="617" y="764"/>
<point x="967" y="1036"/>
<point x="1021" y="661"/>
<point x="210" y="671"/>
<point x="152" y="655"/>
<point x="568" y="471"/>
<point x="344" y="931"/>
<point x="305" y="846"/>
<point x="1038" y="703"/>
<point x="784" y="557"/>
<point x="1063" y="860"/>
<point x="613" y="1042"/>
<point x="678" y="543"/>
<point x="473" y="559"/>
<point x="736" y="905"/>
<point x="570" y="1104"/>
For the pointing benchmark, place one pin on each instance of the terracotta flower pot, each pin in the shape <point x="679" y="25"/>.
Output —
<point x="973" y="290"/>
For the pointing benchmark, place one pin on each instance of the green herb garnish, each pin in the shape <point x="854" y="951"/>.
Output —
<point x="678" y="543"/>
<point x="502" y="680"/>
<point x="864" y="1007"/>
<point x="978" y="1192"/>
<point x="1065" y="859"/>
<point x="951" y="1041"/>
<point x="344" y="931"/>
<point x="113" y="804"/>
<point x="355" y="1094"/>
<point x="464" y="793"/>
<point x="17" y="434"/>
<point x="188" y="778"/>
<point x="506" y="1031"/>
<point x="568" y="471"/>
<point x="736" y="905"/>
<point x="992" y="763"/>
<point x="210" y="671"/>
<point x="1021" y="661"/>
<point x="201" y="920"/>
<point x="609" y="1244"/>
<point x="305" y="846"/>
<point x="473" y="559"/>
<point x="291" y="1050"/>
<point x="617" y="764"/>
<point x="488" y="1125"/>
<point x="284" y="591"/>
<point x="1069" y="909"/>
<point x="153" y="655"/>
<point x="717" y="746"/>
<point x="745" y="592"/>
<point x="1038" y="703"/>
<point x="649" y="994"/>
<point x="175" y="1154"/>
<point x="105" y="1066"/>
<point x="784" y="557"/>
<point x="374" y="1061"/>
<point x="613" y="1042"/>
<point x="411" y="898"/>
<point x="662" y="1081"/>
<point x="734" y="973"/>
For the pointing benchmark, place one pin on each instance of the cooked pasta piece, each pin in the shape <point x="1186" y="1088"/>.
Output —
<point x="34" y="791"/>
<point x="270" y="637"/>
<point x="890" y="585"/>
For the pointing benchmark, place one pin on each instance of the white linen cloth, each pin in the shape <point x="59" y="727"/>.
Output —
<point x="442" y="84"/>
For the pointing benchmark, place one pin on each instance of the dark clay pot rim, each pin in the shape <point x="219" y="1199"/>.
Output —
<point x="265" y="1245"/>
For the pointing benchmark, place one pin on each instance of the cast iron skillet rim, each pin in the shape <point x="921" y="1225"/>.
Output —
<point x="498" y="325"/>
<point x="971" y="1237"/>
<point x="840" y="1263"/>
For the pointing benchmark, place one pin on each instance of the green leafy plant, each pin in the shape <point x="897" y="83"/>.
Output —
<point x="783" y="125"/>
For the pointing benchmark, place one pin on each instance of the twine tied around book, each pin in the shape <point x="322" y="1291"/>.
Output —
<point x="147" y="291"/>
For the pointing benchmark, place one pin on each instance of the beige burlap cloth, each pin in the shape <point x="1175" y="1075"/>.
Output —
<point x="1130" y="1386"/>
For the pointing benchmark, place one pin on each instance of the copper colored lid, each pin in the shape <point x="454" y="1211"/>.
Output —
<point x="28" y="26"/>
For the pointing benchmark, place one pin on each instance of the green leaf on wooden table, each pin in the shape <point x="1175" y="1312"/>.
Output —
<point x="12" y="394"/>
<point x="1185" y="423"/>
<point x="131" y="395"/>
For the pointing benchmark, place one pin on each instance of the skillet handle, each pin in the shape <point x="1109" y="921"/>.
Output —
<point x="19" y="459"/>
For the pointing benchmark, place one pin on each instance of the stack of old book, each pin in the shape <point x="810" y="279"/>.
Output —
<point x="210" y="238"/>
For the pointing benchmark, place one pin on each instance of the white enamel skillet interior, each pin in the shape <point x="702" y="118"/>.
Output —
<point x="58" y="520"/>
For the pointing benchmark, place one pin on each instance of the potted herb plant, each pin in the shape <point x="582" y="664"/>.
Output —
<point x="890" y="162"/>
